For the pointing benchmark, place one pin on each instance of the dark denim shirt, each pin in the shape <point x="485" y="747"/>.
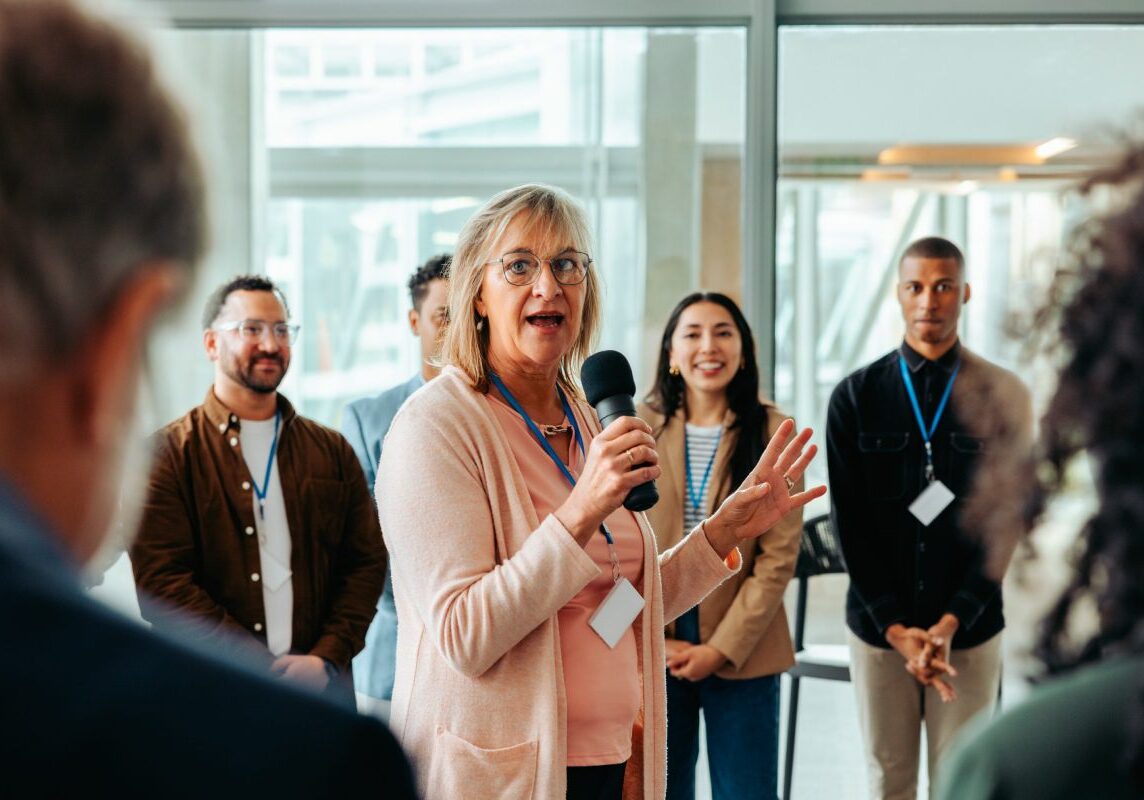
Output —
<point x="900" y="570"/>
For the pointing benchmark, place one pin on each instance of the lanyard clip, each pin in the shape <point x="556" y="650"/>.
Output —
<point x="929" y="462"/>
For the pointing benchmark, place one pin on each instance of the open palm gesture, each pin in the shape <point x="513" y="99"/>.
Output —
<point x="768" y="492"/>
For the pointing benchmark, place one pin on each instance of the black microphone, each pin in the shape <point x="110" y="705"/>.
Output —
<point x="610" y="388"/>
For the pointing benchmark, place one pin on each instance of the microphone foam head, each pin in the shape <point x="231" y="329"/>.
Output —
<point x="606" y="374"/>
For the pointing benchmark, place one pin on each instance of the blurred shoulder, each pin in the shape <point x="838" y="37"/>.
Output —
<point x="1066" y="740"/>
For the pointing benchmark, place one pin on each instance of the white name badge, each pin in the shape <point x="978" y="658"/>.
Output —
<point x="616" y="614"/>
<point x="931" y="502"/>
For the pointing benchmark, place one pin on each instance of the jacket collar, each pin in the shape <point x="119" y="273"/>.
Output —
<point x="223" y="419"/>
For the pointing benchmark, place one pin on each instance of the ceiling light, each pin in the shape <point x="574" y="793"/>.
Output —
<point x="1054" y="147"/>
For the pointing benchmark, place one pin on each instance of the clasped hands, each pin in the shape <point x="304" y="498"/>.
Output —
<point x="304" y="670"/>
<point x="926" y="652"/>
<point x="691" y="662"/>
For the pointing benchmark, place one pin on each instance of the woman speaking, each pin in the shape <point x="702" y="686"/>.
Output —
<point x="530" y="603"/>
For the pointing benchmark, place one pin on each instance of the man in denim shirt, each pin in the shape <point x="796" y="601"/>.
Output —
<point x="365" y="423"/>
<point x="903" y="440"/>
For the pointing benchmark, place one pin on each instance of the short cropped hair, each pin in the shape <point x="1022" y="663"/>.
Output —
<point x="436" y="268"/>
<point x="98" y="178"/>
<point x="550" y="213"/>
<point x="240" y="283"/>
<point x="934" y="247"/>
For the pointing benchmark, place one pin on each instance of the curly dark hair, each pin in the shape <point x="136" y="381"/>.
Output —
<point x="1093" y="327"/>
<point x="435" y="268"/>
<point x="667" y="393"/>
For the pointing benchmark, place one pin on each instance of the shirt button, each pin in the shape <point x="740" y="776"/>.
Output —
<point x="222" y="427"/>
<point x="234" y="441"/>
<point x="922" y="547"/>
<point x="246" y="486"/>
<point x="254" y="577"/>
<point x="249" y="531"/>
<point x="921" y="584"/>
<point x="257" y="627"/>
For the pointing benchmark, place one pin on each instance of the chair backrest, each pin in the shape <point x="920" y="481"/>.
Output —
<point x="819" y="554"/>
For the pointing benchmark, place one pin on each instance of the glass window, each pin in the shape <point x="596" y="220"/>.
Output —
<point x="887" y="134"/>
<point x="369" y="149"/>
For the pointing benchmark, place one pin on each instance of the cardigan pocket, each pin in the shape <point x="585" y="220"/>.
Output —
<point x="461" y="769"/>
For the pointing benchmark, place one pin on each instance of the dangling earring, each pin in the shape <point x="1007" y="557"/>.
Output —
<point x="742" y="365"/>
<point x="480" y="324"/>
<point x="673" y="371"/>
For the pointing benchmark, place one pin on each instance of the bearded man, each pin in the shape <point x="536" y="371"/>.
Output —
<point x="259" y="533"/>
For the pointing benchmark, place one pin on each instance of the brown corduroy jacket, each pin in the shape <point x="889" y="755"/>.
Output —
<point x="744" y="617"/>
<point x="196" y="552"/>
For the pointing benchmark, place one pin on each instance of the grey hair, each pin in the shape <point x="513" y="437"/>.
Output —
<point x="98" y="177"/>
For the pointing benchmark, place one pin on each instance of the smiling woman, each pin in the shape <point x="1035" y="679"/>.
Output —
<point x="724" y="656"/>
<point x="509" y="545"/>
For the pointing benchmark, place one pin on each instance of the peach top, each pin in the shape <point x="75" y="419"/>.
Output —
<point x="602" y="684"/>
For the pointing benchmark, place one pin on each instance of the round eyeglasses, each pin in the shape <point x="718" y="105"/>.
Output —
<point x="522" y="268"/>
<point x="252" y="330"/>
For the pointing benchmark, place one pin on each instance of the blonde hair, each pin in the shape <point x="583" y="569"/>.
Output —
<point x="551" y="214"/>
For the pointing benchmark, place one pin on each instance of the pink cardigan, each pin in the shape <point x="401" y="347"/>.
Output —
<point x="478" y="701"/>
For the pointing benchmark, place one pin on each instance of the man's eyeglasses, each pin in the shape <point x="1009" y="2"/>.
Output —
<point x="252" y="330"/>
<point x="521" y="269"/>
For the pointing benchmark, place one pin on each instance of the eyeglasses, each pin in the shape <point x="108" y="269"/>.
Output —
<point x="521" y="269"/>
<point x="252" y="330"/>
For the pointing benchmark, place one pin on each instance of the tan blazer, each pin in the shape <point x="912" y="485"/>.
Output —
<point x="744" y="617"/>
<point x="478" y="701"/>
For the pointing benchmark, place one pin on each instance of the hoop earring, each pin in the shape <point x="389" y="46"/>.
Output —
<point x="673" y="371"/>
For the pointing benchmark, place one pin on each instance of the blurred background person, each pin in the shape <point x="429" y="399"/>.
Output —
<point x="258" y="527"/>
<point x="495" y="487"/>
<point x="903" y="443"/>
<point x="1080" y="734"/>
<point x="725" y="655"/>
<point x="364" y="424"/>
<point x="102" y="226"/>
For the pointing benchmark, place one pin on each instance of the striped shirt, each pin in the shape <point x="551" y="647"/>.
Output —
<point x="702" y="442"/>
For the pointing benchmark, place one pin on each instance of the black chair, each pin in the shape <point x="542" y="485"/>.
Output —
<point x="819" y="554"/>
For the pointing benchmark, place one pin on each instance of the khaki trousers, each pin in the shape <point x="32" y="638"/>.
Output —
<point x="892" y="706"/>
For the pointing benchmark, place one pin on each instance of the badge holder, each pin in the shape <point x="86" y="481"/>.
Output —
<point x="936" y="497"/>
<point x="613" y="617"/>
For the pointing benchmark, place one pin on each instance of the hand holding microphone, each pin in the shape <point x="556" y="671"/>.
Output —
<point x="610" y="389"/>
<point x="621" y="463"/>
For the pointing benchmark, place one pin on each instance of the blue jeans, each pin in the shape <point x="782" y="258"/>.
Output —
<point x="742" y="719"/>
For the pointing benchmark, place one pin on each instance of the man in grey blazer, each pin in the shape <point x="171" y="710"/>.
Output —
<point x="365" y="423"/>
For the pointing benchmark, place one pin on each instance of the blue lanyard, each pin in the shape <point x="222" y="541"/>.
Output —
<point x="697" y="497"/>
<point x="927" y="433"/>
<point x="260" y="492"/>
<point x="512" y="401"/>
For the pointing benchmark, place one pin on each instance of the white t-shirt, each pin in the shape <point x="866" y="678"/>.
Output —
<point x="273" y="531"/>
